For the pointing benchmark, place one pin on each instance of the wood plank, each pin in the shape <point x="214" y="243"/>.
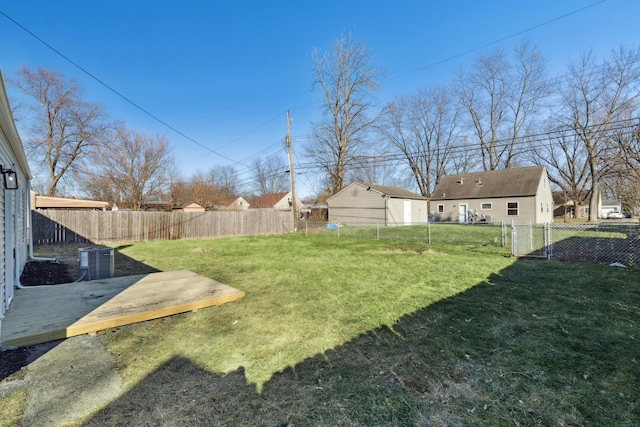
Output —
<point x="60" y="311"/>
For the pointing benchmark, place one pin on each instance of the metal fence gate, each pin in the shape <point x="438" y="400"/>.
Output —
<point x="531" y="240"/>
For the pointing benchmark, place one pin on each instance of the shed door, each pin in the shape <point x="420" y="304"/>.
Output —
<point x="407" y="212"/>
<point x="462" y="213"/>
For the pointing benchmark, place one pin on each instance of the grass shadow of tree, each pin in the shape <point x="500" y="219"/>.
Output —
<point x="522" y="347"/>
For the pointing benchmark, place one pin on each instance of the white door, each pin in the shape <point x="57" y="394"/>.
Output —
<point x="407" y="212"/>
<point x="462" y="213"/>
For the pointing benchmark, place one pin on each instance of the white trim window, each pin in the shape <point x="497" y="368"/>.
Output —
<point x="513" y="209"/>
<point x="440" y="208"/>
<point x="487" y="206"/>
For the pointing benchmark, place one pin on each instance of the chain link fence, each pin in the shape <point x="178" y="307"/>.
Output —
<point x="480" y="234"/>
<point x="604" y="242"/>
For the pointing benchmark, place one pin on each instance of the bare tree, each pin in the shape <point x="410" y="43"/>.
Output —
<point x="225" y="179"/>
<point x="565" y="159"/>
<point x="423" y="129"/>
<point x="595" y="99"/>
<point x="382" y="169"/>
<point x="346" y="79"/>
<point x="136" y="165"/>
<point x="271" y="175"/>
<point x="65" y="129"/>
<point x="624" y="183"/>
<point x="501" y="100"/>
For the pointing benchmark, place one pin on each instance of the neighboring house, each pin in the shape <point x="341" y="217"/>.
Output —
<point x="516" y="194"/>
<point x="607" y="206"/>
<point x="14" y="204"/>
<point x="46" y="202"/>
<point x="360" y="204"/>
<point x="276" y="201"/>
<point x="233" y="204"/>
<point x="191" y="207"/>
<point x="564" y="207"/>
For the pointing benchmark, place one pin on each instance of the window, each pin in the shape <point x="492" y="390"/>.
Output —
<point x="486" y="206"/>
<point x="512" y="208"/>
<point x="440" y="208"/>
<point x="541" y="207"/>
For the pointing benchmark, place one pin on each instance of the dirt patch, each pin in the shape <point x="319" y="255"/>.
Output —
<point x="49" y="272"/>
<point x="412" y="250"/>
<point x="12" y="359"/>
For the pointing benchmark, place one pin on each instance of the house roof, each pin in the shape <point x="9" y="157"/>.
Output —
<point x="231" y="200"/>
<point x="8" y="127"/>
<point x="514" y="182"/>
<point x="269" y="200"/>
<point x="42" y="202"/>
<point x="393" y="192"/>
<point x="560" y="198"/>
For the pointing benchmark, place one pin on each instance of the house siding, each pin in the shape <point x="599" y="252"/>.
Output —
<point x="13" y="206"/>
<point x="531" y="191"/>
<point x="359" y="204"/>
<point x="544" y="200"/>
<point x="497" y="213"/>
<point x="356" y="205"/>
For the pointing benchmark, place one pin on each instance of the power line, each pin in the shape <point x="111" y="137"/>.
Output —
<point x="494" y="42"/>
<point x="116" y="92"/>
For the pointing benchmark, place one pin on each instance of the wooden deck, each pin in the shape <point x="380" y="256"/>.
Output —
<point x="55" y="312"/>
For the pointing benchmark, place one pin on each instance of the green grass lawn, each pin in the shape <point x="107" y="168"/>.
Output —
<point x="347" y="332"/>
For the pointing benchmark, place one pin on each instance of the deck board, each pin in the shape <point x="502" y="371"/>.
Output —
<point x="55" y="312"/>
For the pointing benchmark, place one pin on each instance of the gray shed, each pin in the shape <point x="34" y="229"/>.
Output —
<point x="367" y="204"/>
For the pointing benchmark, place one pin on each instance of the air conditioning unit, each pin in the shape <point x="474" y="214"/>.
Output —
<point x="95" y="263"/>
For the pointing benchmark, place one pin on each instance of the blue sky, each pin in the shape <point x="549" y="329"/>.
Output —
<point x="225" y="73"/>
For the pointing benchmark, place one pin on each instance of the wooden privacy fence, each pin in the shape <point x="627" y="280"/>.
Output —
<point x="71" y="227"/>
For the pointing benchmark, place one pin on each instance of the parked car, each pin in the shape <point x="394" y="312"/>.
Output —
<point x="627" y="215"/>
<point x="614" y="215"/>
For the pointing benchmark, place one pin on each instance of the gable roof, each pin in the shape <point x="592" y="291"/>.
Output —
<point x="384" y="190"/>
<point x="395" y="192"/>
<point x="514" y="182"/>
<point x="231" y="200"/>
<point x="269" y="200"/>
<point x="8" y="128"/>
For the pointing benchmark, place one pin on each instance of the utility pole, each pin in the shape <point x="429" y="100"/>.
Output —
<point x="294" y="207"/>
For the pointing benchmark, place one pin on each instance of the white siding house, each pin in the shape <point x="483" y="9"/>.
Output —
<point x="13" y="205"/>
<point x="361" y="204"/>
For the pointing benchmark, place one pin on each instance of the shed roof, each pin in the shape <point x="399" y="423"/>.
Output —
<point x="393" y="192"/>
<point x="514" y="182"/>
<point x="46" y="202"/>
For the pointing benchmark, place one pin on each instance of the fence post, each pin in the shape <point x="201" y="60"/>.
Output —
<point x="549" y="240"/>
<point x="429" y="232"/>
<point x="514" y="238"/>
<point x="377" y="230"/>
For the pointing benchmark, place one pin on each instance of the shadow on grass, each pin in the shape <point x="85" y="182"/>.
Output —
<point x="531" y="345"/>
